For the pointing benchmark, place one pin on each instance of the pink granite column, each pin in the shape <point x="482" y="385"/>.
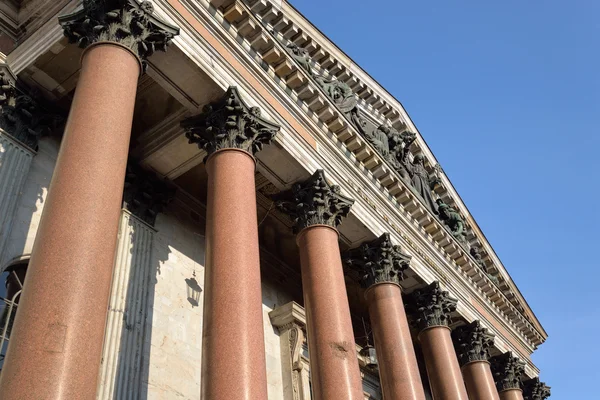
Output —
<point x="318" y="208"/>
<point x="431" y="308"/>
<point x="507" y="371"/>
<point x="56" y="344"/>
<point x="381" y="266"/>
<point x="233" y="349"/>
<point x="472" y="343"/>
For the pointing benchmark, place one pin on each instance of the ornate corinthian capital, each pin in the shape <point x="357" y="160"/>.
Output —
<point x="126" y="22"/>
<point x="145" y="195"/>
<point x="507" y="370"/>
<point x="378" y="261"/>
<point x="431" y="306"/>
<point x="314" y="202"/>
<point x="230" y="124"/>
<point x="472" y="343"/>
<point x="21" y="116"/>
<point x="533" y="389"/>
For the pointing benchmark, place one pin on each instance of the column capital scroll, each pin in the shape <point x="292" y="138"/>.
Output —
<point x="507" y="371"/>
<point x="534" y="389"/>
<point x="126" y="22"/>
<point x="472" y="343"/>
<point x="314" y="202"/>
<point x="229" y="124"/>
<point x="431" y="306"/>
<point x="378" y="261"/>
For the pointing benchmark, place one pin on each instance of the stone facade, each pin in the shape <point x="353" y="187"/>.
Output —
<point x="282" y="123"/>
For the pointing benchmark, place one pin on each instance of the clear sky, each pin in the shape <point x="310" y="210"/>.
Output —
<point x="507" y="95"/>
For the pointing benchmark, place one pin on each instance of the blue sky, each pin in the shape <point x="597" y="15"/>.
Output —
<point x="507" y="95"/>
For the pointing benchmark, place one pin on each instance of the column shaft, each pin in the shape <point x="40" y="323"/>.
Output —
<point x="442" y="365"/>
<point x="511" y="394"/>
<point x="333" y="360"/>
<point x="233" y="350"/>
<point x="15" y="161"/>
<point x="479" y="381"/>
<point x="398" y="368"/>
<point x="56" y="344"/>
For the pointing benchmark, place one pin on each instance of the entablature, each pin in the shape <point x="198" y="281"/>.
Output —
<point x="253" y="23"/>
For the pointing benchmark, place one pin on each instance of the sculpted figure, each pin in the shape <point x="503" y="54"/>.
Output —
<point x="452" y="219"/>
<point x="301" y="56"/>
<point x="421" y="181"/>
<point x="477" y="256"/>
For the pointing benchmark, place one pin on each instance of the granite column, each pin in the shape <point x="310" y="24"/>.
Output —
<point x="231" y="133"/>
<point x="472" y="343"/>
<point x="381" y="266"/>
<point x="317" y="209"/>
<point x="56" y="345"/>
<point x="431" y="308"/>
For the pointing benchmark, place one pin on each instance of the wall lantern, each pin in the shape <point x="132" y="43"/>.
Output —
<point x="193" y="290"/>
<point x="370" y="355"/>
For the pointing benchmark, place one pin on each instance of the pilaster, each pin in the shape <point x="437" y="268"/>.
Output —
<point x="120" y="372"/>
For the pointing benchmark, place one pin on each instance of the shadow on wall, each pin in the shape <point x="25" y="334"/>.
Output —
<point x="31" y="202"/>
<point x="152" y="330"/>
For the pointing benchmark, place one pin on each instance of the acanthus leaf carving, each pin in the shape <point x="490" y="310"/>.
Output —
<point x="431" y="306"/>
<point x="534" y="389"/>
<point x="507" y="371"/>
<point x="230" y="124"/>
<point x="378" y="261"/>
<point x="126" y="22"/>
<point x="314" y="202"/>
<point x="22" y="117"/>
<point x="472" y="342"/>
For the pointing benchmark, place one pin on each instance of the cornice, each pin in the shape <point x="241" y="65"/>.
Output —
<point x="341" y="168"/>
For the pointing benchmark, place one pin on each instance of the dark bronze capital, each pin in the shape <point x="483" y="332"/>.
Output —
<point x="431" y="306"/>
<point x="378" y="261"/>
<point x="314" y="202"/>
<point x="145" y="195"/>
<point x="472" y="342"/>
<point x="534" y="389"/>
<point x="230" y="124"/>
<point x="507" y="371"/>
<point x="126" y="22"/>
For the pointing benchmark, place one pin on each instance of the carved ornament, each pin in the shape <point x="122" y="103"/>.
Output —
<point x="534" y="389"/>
<point x="145" y="195"/>
<point x="314" y="202"/>
<point x="472" y="343"/>
<point x="230" y="124"/>
<point x="507" y="371"/>
<point x="378" y="261"/>
<point x="126" y="22"/>
<point x="431" y="306"/>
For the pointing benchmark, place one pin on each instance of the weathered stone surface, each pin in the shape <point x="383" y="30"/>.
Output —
<point x="472" y="342"/>
<point x="230" y="124"/>
<point x="378" y="261"/>
<point x="507" y="370"/>
<point x="534" y="389"/>
<point x="126" y="22"/>
<point x="431" y="306"/>
<point x="314" y="202"/>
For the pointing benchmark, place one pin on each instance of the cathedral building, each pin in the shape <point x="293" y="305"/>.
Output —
<point x="208" y="199"/>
